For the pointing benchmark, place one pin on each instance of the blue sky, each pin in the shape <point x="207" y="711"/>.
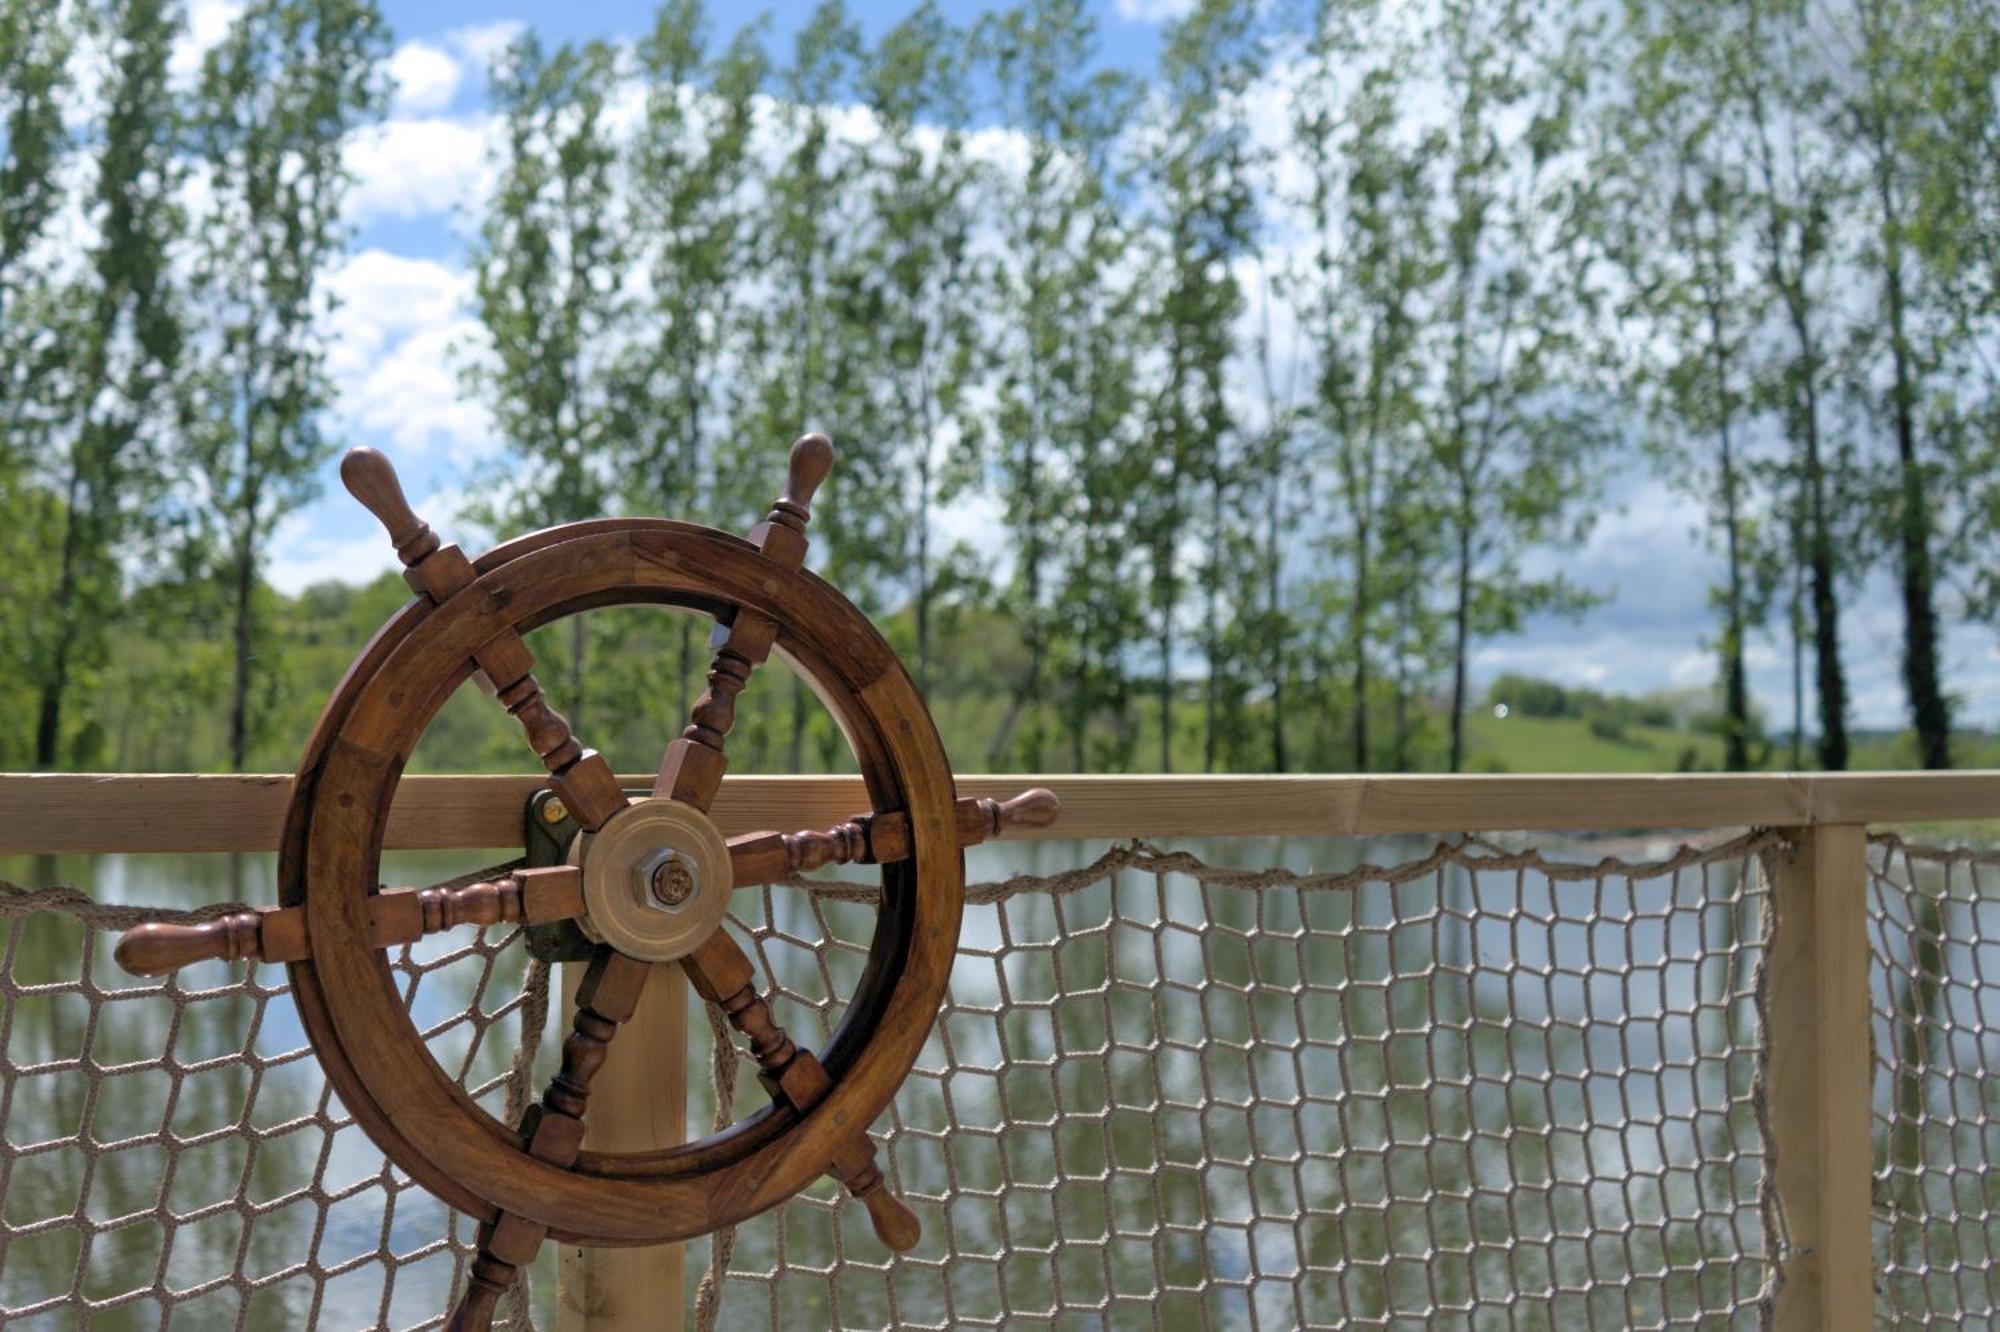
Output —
<point x="404" y="326"/>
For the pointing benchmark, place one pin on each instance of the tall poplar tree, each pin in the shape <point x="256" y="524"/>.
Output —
<point x="913" y="275"/>
<point x="692" y="222"/>
<point x="549" y="267"/>
<point x="1060" y="445"/>
<point x="35" y="46"/>
<point x="35" y="43"/>
<point x="1198" y="169"/>
<point x="1691" y="308"/>
<point x="1513" y="447"/>
<point x="277" y="97"/>
<point x="124" y="350"/>
<point x="1368" y="284"/>
<point x="1766" y="75"/>
<point x="1881" y="117"/>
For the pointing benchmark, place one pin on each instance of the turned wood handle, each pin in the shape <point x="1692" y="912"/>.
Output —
<point x="371" y="479"/>
<point x="810" y="465"/>
<point x="880" y="838"/>
<point x="1036" y="807"/>
<point x="159" y="948"/>
<point x="397" y="916"/>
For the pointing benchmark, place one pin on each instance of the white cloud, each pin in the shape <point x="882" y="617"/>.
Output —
<point x="480" y="43"/>
<point x="1153" y="11"/>
<point x="301" y="555"/>
<point x="426" y="77"/>
<point x="417" y="166"/>
<point x="397" y="339"/>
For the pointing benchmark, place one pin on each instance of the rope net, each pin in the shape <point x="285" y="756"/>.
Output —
<point x="172" y="1156"/>
<point x="1934" y="931"/>
<point x="1475" y="1084"/>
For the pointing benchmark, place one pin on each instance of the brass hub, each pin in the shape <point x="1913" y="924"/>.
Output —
<point x="656" y="879"/>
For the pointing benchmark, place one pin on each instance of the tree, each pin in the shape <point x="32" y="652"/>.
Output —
<point x="1881" y="117"/>
<point x="1691" y="309"/>
<point x="109" y="468"/>
<point x="913" y="275"/>
<point x="549" y="266"/>
<point x="35" y="47"/>
<point x="1198" y="164"/>
<point x="1765" y="74"/>
<point x="693" y="223"/>
<point x="797" y="343"/>
<point x="1512" y="446"/>
<point x="1373" y="263"/>
<point x="277" y="98"/>
<point x="1058" y="443"/>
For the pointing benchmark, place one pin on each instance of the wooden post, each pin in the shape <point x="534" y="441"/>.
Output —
<point x="1817" y="1019"/>
<point x="638" y="1102"/>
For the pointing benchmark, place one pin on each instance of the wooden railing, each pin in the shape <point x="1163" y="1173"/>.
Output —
<point x="64" y="812"/>
<point x="1818" y="1081"/>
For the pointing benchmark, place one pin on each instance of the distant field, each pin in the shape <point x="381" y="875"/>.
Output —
<point x="1567" y="744"/>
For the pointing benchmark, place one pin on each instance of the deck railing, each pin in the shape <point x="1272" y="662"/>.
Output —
<point x="1812" y="949"/>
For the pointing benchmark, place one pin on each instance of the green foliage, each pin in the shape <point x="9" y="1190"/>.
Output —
<point x="1283" y="416"/>
<point x="276" y="98"/>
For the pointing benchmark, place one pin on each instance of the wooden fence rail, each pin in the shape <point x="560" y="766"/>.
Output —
<point x="63" y="812"/>
<point x="1818" y="1081"/>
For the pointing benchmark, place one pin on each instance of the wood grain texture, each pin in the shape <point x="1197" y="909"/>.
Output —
<point x="341" y="812"/>
<point x="140" y="812"/>
<point x="1817" y="1028"/>
<point x="641" y="1106"/>
<point x="396" y="916"/>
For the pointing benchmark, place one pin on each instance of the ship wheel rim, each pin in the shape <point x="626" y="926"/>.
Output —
<point x="470" y="1158"/>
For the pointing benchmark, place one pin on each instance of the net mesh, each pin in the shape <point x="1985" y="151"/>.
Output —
<point x="1934" y="925"/>
<point x="1475" y="1084"/>
<point x="171" y="1155"/>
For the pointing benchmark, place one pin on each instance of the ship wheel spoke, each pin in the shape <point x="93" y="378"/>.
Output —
<point x="721" y="973"/>
<point x="691" y="772"/>
<point x="552" y="1128"/>
<point x="437" y="571"/>
<point x="879" y="839"/>
<point x="395" y="916"/>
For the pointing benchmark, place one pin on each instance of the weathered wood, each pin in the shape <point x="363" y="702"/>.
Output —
<point x="61" y="813"/>
<point x="397" y="916"/>
<point x="1817" y="1031"/>
<point x="640" y="1105"/>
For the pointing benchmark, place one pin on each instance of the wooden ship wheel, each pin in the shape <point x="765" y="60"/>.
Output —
<point x="648" y="880"/>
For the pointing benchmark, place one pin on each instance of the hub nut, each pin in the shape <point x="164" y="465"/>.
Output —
<point x="666" y="879"/>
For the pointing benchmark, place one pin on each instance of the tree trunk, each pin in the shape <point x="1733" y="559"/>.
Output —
<point x="795" y="756"/>
<point x="48" y="724"/>
<point x="1461" y="628"/>
<point x="1273" y="590"/>
<point x="924" y="572"/>
<point x="239" y="699"/>
<point x="1929" y="709"/>
<point x="1735" y="689"/>
<point x="1833" y="750"/>
<point x="1364" y="594"/>
<point x="1212" y="648"/>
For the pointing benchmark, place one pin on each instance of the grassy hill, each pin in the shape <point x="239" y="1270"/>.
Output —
<point x="1568" y="744"/>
